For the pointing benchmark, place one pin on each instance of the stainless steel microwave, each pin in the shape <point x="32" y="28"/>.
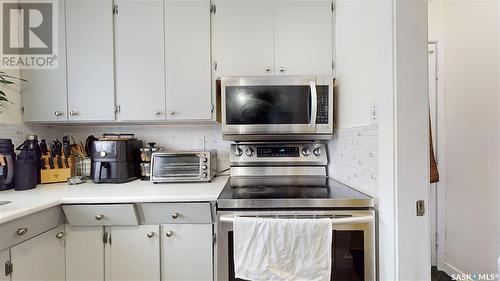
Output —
<point x="281" y="108"/>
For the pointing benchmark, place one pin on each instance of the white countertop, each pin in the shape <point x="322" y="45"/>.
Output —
<point x="49" y="195"/>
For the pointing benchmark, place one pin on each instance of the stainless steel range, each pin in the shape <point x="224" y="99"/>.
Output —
<point x="289" y="180"/>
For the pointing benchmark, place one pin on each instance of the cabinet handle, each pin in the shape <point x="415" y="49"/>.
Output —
<point x="99" y="217"/>
<point x="60" y="235"/>
<point x="22" y="231"/>
<point x="169" y="233"/>
<point x="171" y="113"/>
<point x="267" y="69"/>
<point x="58" y="113"/>
<point x="175" y="215"/>
<point x="151" y="234"/>
<point x="282" y="69"/>
<point x="74" y="113"/>
<point x="157" y="112"/>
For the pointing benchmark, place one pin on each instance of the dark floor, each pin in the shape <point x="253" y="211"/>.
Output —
<point x="438" y="275"/>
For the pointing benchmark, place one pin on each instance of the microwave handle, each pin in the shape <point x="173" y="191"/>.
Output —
<point x="314" y="104"/>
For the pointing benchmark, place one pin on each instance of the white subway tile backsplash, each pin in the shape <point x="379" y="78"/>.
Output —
<point x="170" y="137"/>
<point x="354" y="158"/>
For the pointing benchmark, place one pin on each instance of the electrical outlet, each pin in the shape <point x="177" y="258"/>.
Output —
<point x="373" y="113"/>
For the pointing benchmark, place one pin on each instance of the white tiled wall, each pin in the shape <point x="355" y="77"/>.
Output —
<point x="354" y="158"/>
<point x="170" y="137"/>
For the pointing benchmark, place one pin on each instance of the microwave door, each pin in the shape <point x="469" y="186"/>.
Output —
<point x="270" y="109"/>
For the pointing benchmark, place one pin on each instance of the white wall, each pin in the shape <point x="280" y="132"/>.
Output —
<point x="468" y="34"/>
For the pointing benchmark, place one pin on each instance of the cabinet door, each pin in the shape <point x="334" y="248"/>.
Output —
<point x="44" y="97"/>
<point x="39" y="258"/>
<point x="84" y="253"/>
<point x="187" y="251"/>
<point x="243" y="37"/>
<point x="139" y="55"/>
<point x="89" y="34"/>
<point x="4" y="259"/>
<point x="187" y="47"/>
<point x="134" y="253"/>
<point x="303" y="37"/>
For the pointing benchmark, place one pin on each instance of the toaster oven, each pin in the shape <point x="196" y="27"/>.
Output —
<point x="189" y="166"/>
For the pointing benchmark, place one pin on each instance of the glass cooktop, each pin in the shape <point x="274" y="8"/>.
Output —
<point x="290" y="192"/>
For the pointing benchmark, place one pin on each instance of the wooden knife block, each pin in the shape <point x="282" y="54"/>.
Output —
<point x="49" y="175"/>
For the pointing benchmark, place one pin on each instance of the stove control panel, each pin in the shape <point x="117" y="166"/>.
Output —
<point x="278" y="154"/>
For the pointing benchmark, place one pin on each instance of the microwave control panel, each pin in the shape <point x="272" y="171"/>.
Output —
<point x="322" y="117"/>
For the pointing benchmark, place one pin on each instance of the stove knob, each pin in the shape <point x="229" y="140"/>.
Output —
<point x="237" y="151"/>
<point x="204" y="175"/>
<point x="103" y="154"/>
<point x="204" y="167"/>
<point x="317" y="151"/>
<point x="249" y="151"/>
<point x="306" y="151"/>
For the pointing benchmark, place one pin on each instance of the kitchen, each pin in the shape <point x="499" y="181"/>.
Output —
<point x="286" y="110"/>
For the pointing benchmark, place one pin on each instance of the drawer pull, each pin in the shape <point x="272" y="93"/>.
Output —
<point x="60" y="235"/>
<point x="99" y="217"/>
<point x="175" y="215"/>
<point x="22" y="231"/>
<point x="151" y="234"/>
<point x="169" y="233"/>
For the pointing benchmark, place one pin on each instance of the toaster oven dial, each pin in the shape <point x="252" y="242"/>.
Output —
<point x="204" y="175"/>
<point x="204" y="159"/>
<point x="238" y="151"/>
<point x="249" y="151"/>
<point x="317" y="151"/>
<point x="204" y="167"/>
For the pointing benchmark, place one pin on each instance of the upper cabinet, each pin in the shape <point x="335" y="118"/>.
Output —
<point x="243" y="37"/>
<point x="187" y="49"/>
<point x="273" y="37"/>
<point x="89" y="37"/>
<point x="139" y="60"/>
<point x="45" y="96"/>
<point x="303" y="37"/>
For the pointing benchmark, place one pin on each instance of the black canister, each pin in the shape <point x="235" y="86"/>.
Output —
<point x="7" y="164"/>
<point x="27" y="165"/>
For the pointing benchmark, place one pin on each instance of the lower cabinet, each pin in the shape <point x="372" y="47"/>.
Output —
<point x="40" y="258"/>
<point x="4" y="262"/>
<point x="134" y="253"/>
<point x="187" y="252"/>
<point x="84" y="253"/>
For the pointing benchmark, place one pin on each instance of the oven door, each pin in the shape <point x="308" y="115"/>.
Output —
<point x="353" y="247"/>
<point x="292" y="106"/>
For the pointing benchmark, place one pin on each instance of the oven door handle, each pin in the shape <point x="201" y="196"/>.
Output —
<point x="336" y="221"/>
<point x="314" y="104"/>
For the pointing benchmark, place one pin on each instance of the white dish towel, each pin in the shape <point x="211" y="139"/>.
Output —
<point x="282" y="249"/>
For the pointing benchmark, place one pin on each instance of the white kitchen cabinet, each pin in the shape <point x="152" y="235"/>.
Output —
<point x="303" y="37"/>
<point x="243" y="38"/>
<point x="188" y="68"/>
<point x="40" y="258"/>
<point x="134" y="253"/>
<point x="90" y="71"/>
<point x="44" y="96"/>
<point x="139" y="60"/>
<point x="4" y="262"/>
<point x="187" y="252"/>
<point x="84" y="253"/>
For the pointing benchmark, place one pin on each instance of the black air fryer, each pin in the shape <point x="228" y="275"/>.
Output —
<point x="115" y="159"/>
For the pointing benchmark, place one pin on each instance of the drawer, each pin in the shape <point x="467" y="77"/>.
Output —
<point x="161" y="213"/>
<point x="22" y="229"/>
<point x="104" y="214"/>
